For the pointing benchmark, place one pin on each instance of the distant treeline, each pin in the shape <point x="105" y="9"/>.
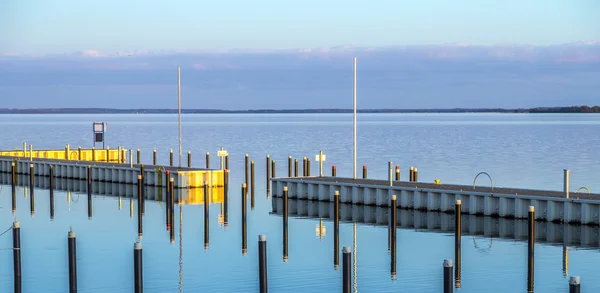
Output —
<point x="573" y="109"/>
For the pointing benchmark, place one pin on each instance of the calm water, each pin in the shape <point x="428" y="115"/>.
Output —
<point x="528" y="151"/>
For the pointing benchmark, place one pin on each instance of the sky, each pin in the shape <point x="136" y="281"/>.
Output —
<point x="59" y="26"/>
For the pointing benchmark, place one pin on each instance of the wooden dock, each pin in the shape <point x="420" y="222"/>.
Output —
<point x="579" y="208"/>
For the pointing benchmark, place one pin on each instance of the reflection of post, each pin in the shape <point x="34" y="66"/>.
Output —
<point x="206" y="215"/>
<point x="336" y="230"/>
<point x="393" y="219"/>
<point x="355" y="282"/>
<point x="180" y="249"/>
<point x="457" y="242"/>
<point x="531" y="249"/>
<point x="285" y="223"/>
<point x="244" y="233"/>
<point x="565" y="260"/>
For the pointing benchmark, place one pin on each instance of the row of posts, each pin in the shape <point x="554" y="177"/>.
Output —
<point x="447" y="265"/>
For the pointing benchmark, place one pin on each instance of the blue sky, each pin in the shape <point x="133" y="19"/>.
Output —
<point x="42" y="26"/>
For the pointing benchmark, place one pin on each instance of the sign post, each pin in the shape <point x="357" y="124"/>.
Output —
<point x="222" y="153"/>
<point x="99" y="130"/>
<point x="320" y="158"/>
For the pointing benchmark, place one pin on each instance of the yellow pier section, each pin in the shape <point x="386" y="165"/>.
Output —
<point x="96" y="155"/>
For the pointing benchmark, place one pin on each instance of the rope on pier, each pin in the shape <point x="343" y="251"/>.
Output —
<point x="10" y="228"/>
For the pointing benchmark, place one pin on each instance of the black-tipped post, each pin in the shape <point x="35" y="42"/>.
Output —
<point x="285" y="223"/>
<point x="154" y="157"/>
<point x="347" y="269"/>
<point x="307" y="166"/>
<point x="364" y="172"/>
<point x="206" y="215"/>
<point x="333" y="171"/>
<point x="448" y="276"/>
<point x="138" y="274"/>
<point x="244" y="232"/>
<point x="72" y="262"/>
<point x="290" y="166"/>
<point x="189" y="159"/>
<point x="574" y="284"/>
<point x="17" y="256"/>
<point x="207" y="160"/>
<point x="262" y="263"/>
<point x="397" y="173"/>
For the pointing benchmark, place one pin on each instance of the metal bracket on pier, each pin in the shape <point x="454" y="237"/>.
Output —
<point x="488" y="175"/>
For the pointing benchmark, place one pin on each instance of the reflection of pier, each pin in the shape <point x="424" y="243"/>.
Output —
<point x="515" y="229"/>
<point x="184" y="196"/>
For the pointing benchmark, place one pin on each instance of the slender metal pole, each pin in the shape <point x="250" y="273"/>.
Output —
<point x="179" y="110"/>
<point x="354" y="117"/>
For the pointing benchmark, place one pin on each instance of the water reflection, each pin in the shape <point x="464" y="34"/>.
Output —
<point x="186" y="196"/>
<point x="472" y="225"/>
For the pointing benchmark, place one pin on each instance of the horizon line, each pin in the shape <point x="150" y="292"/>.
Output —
<point x="96" y="110"/>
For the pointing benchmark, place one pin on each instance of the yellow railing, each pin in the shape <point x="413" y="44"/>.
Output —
<point x="97" y="155"/>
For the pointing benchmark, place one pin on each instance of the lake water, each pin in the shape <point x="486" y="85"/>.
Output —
<point x="517" y="150"/>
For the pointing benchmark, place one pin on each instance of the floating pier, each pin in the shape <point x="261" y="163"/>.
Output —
<point x="114" y="172"/>
<point x="552" y="206"/>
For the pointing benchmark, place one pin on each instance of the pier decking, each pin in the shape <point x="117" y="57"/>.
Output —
<point x="551" y="206"/>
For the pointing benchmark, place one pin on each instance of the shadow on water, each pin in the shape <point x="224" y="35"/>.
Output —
<point x="184" y="196"/>
<point x="510" y="229"/>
